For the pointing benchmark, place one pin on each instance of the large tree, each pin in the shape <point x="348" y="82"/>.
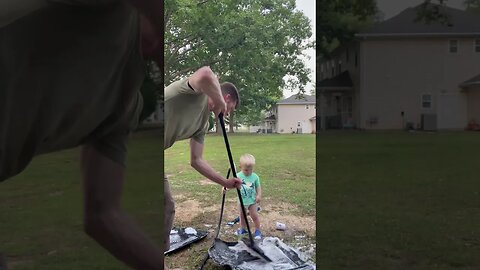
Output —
<point x="431" y="10"/>
<point x="251" y="43"/>
<point x="339" y="20"/>
<point x="151" y="90"/>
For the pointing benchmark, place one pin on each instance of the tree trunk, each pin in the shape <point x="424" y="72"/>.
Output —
<point x="231" y="123"/>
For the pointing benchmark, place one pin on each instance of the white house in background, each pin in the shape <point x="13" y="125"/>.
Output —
<point x="268" y="125"/>
<point x="295" y="114"/>
<point x="402" y="74"/>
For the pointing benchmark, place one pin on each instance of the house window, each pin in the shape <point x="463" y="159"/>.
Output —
<point x="453" y="46"/>
<point x="333" y="70"/>
<point x="477" y="45"/>
<point x="306" y="107"/>
<point x="339" y="67"/>
<point x="356" y="59"/>
<point x="426" y="101"/>
<point x="347" y="56"/>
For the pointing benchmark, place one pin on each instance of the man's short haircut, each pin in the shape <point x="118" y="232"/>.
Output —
<point x="229" y="88"/>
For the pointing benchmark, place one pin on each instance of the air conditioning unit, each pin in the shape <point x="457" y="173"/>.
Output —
<point x="429" y="122"/>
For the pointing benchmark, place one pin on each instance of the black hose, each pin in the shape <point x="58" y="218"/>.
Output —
<point x="207" y="256"/>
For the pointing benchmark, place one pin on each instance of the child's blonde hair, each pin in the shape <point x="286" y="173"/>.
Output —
<point x="247" y="160"/>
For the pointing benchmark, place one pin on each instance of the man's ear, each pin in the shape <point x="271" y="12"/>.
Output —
<point x="227" y="97"/>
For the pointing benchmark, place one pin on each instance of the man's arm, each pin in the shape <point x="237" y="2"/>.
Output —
<point x="201" y="165"/>
<point x="105" y="221"/>
<point x="205" y="81"/>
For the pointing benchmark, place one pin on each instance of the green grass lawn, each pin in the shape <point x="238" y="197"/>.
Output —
<point x="284" y="163"/>
<point x="286" y="167"/>
<point x="392" y="200"/>
<point x="385" y="200"/>
<point x="41" y="209"/>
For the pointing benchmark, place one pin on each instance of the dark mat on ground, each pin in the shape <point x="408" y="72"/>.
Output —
<point x="239" y="257"/>
<point x="183" y="237"/>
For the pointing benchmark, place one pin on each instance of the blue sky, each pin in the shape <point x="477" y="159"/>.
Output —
<point x="308" y="8"/>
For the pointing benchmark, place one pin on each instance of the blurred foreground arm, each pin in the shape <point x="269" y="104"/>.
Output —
<point x="151" y="24"/>
<point x="106" y="222"/>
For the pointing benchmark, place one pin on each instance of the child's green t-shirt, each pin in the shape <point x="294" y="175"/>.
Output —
<point x="249" y="187"/>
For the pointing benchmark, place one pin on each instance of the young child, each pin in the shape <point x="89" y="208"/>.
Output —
<point x="251" y="192"/>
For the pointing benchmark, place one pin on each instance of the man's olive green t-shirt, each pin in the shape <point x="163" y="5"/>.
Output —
<point x="186" y="113"/>
<point x="70" y="74"/>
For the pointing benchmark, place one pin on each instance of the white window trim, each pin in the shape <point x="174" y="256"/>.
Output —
<point x="431" y="101"/>
<point x="449" y="45"/>
<point x="475" y="45"/>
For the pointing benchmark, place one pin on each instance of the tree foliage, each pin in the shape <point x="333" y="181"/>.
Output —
<point x="339" y="20"/>
<point x="431" y="11"/>
<point x="251" y="43"/>
<point x="151" y="90"/>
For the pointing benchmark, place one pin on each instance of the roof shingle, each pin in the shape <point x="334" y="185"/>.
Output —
<point x="462" y="23"/>
<point x="473" y="81"/>
<point x="297" y="99"/>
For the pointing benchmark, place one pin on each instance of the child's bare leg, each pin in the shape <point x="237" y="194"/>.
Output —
<point x="254" y="215"/>
<point x="242" y="221"/>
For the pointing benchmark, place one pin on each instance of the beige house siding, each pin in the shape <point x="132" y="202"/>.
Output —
<point x="473" y="97"/>
<point x="313" y="124"/>
<point x="289" y="115"/>
<point x="394" y="73"/>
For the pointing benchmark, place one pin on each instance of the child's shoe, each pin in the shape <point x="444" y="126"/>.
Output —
<point x="258" y="234"/>
<point x="241" y="231"/>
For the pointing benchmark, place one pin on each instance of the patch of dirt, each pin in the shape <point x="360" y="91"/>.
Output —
<point x="178" y="197"/>
<point x="207" y="182"/>
<point x="188" y="210"/>
<point x="271" y="213"/>
<point x="300" y="230"/>
<point x="294" y="224"/>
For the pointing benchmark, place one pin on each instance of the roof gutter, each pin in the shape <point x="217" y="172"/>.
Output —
<point x="403" y="35"/>
<point x="298" y="103"/>
<point x="467" y="84"/>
